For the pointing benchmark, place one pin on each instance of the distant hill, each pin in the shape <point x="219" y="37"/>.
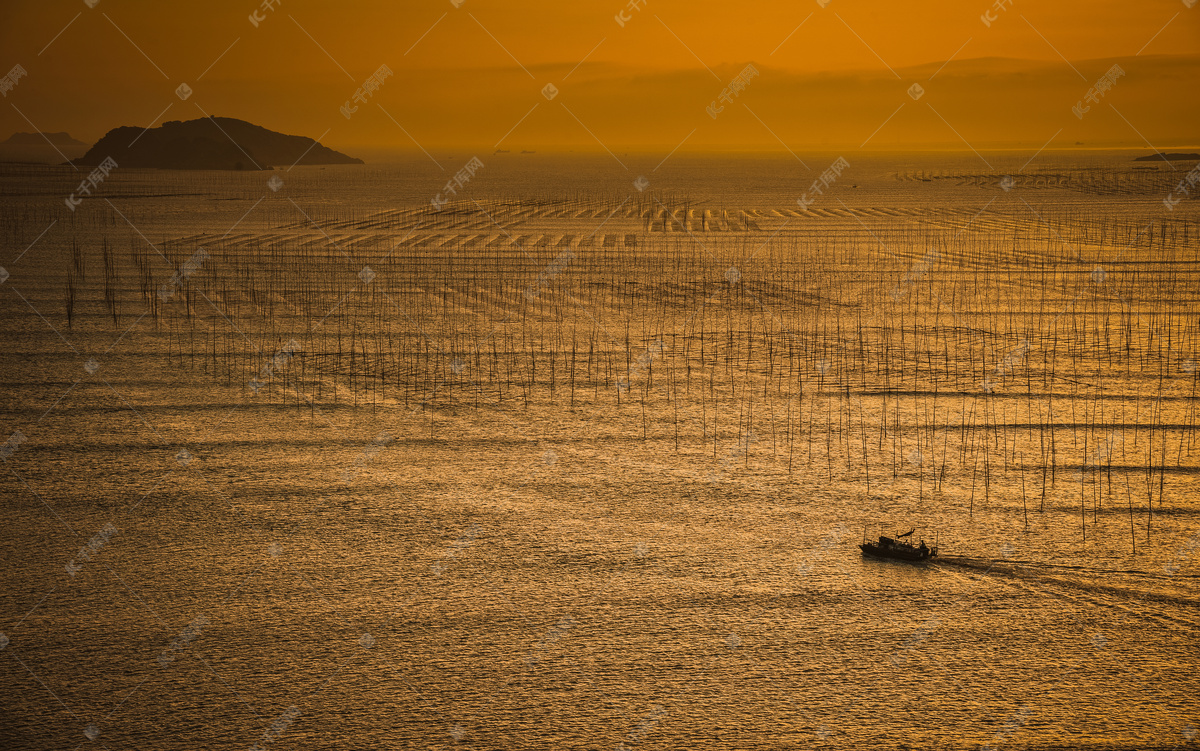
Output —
<point x="40" y="148"/>
<point x="223" y="143"/>
<point x="1168" y="157"/>
<point x="39" y="139"/>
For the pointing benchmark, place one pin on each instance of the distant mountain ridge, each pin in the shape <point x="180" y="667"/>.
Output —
<point x="39" y="139"/>
<point x="222" y="143"/>
<point x="988" y="102"/>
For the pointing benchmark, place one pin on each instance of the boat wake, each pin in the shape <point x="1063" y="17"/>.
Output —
<point x="1142" y="595"/>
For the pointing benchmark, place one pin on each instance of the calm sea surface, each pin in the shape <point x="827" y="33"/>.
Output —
<point x="192" y="562"/>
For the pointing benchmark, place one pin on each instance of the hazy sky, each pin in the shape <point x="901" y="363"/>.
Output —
<point x="474" y="74"/>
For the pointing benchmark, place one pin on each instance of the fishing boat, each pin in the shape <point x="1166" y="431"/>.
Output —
<point x="900" y="548"/>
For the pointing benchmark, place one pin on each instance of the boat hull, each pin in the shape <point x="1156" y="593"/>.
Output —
<point x="875" y="551"/>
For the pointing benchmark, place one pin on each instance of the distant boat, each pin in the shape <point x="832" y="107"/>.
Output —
<point x="898" y="548"/>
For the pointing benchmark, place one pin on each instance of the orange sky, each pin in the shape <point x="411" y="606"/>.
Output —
<point x="468" y="75"/>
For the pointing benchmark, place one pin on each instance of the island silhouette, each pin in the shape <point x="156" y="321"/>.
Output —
<point x="40" y="139"/>
<point x="216" y="143"/>
<point x="1172" y="157"/>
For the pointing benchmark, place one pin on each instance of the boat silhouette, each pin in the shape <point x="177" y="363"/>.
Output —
<point x="898" y="548"/>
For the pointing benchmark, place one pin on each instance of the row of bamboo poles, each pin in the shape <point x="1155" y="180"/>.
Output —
<point x="940" y="351"/>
